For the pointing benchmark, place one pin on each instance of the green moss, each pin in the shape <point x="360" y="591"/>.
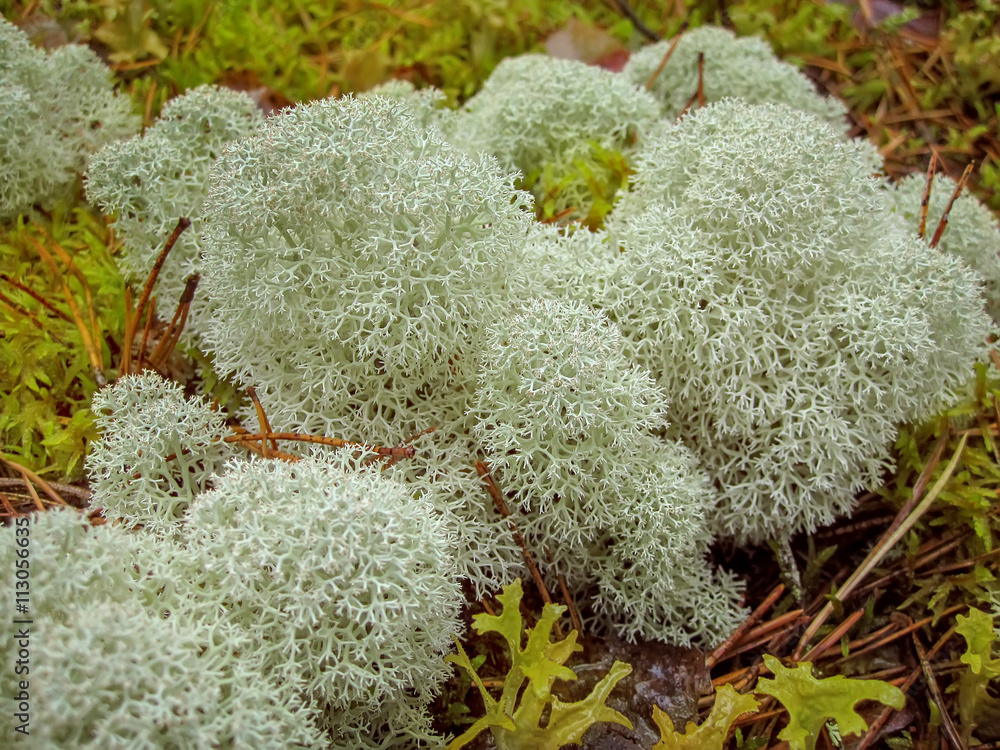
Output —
<point x="46" y="376"/>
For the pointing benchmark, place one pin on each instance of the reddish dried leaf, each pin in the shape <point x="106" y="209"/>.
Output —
<point x="590" y="44"/>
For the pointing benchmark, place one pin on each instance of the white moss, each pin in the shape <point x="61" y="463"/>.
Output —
<point x="118" y="677"/>
<point x="572" y="430"/>
<point x="353" y="257"/>
<point x="540" y="116"/>
<point x="108" y="671"/>
<point x="427" y="103"/>
<point x="344" y="579"/>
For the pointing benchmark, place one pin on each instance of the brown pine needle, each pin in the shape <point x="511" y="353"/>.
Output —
<point x="839" y="632"/>
<point x="491" y="487"/>
<point x="623" y="7"/>
<point x="903" y="522"/>
<point x="168" y="342"/>
<point x="29" y="9"/>
<point x="903" y="568"/>
<point x="876" y="726"/>
<point x="946" y="723"/>
<point x="250" y="441"/>
<point x="962" y="564"/>
<point x="559" y="216"/>
<point x="265" y="426"/>
<point x="943" y="223"/>
<point x="35" y="497"/>
<point x="22" y="311"/>
<point x="574" y="616"/>
<point x="31" y="477"/>
<point x="193" y="35"/>
<point x="713" y="658"/>
<point x="765" y="629"/>
<point x="666" y="57"/>
<point x="182" y="224"/>
<point x="19" y="484"/>
<point x="243" y="436"/>
<point x="727" y="679"/>
<point x="93" y="354"/>
<point x="859" y="643"/>
<point x="699" y="94"/>
<point x="125" y="365"/>
<point x="398" y="452"/>
<point x="701" y="79"/>
<point x="36" y="296"/>
<point x="145" y="333"/>
<point x="764" y="634"/>
<point x="494" y="491"/>
<point x="74" y="269"/>
<point x="761" y="716"/>
<point x="926" y="199"/>
<point x="147" y="112"/>
<point x="132" y="321"/>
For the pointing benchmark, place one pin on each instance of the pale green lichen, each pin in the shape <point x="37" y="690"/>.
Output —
<point x="157" y="451"/>
<point x="572" y="431"/>
<point x="107" y="671"/>
<point x="427" y="104"/>
<point x="119" y="677"/>
<point x="544" y="117"/>
<point x="971" y="234"/>
<point x="743" y="67"/>
<point x="790" y="320"/>
<point x="353" y="257"/>
<point x="150" y="182"/>
<point x="58" y="109"/>
<point x="344" y="579"/>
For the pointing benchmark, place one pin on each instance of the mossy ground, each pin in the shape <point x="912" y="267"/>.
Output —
<point x="926" y="80"/>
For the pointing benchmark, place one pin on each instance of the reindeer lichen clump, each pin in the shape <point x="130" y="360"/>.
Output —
<point x="344" y="580"/>
<point x="548" y="119"/>
<point x="971" y="233"/>
<point x="56" y="110"/>
<point x="792" y="322"/>
<point x="744" y="67"/>
<point x="332" y="579"/>
<point x="572" y="428"/>
<point x="730" y="355"/>
<point x="158" y="450"/>
<point x="352" y="257"/>
<point x="149" y="182"/>
<point x="102" y="647"/>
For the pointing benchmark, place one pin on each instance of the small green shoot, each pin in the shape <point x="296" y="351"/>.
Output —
<point x="975" y="704"/>
<point x="515" y="724"/>
<point x="728" y="707"/>
<point x="812" y="702"/>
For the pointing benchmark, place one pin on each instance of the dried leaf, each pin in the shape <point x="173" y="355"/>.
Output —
<point x="590" y="44"/>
